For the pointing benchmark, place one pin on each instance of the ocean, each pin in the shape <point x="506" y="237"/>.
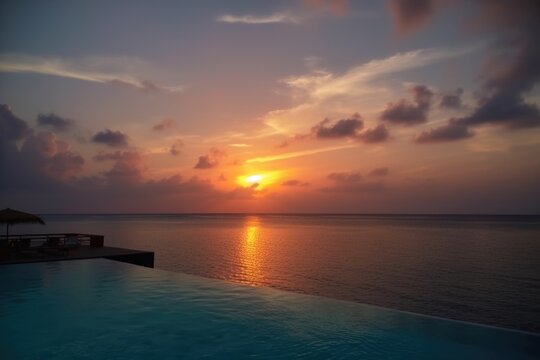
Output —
<point x="482" y="269"/>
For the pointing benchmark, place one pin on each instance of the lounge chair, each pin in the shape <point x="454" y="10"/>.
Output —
<point x="71" y="241"/>
<point x="53" y="246"/>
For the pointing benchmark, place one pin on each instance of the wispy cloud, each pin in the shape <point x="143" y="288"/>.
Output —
<point x="296" y="154"/>
<point x="281" y="17"/>
<point x="323" y="84"/>
<point x="85" y="70"/>
<point x="366" y="87"/>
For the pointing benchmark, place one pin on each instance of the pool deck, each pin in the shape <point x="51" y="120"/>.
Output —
<point x="136" y="257"/>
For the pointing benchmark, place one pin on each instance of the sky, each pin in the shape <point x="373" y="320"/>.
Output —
<point x="306" y="106"/>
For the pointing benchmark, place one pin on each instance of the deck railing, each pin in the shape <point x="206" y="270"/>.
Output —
<point x="36" y="240"/>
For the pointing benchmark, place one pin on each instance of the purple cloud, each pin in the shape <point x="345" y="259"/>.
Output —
<point x="294" y="182"/>
<point x="345" y="177"/>
<point x="163" y="125"/>
<point x="211" y="160"/>
<point x="340" y="129"/>
<point x="12" y="128"/>
<point x="374" y="135"/>
<point x="54" y="121"/>
<point x="382" y="171"/>
<point x="452" y="100"/>
<point x="111" y="138"/>
<point x="452" y="131"/>
<point x="176" y="147"/>
<point x="405" y="112"/>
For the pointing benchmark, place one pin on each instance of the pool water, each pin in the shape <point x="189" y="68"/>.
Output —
<point x="102" y="309"/>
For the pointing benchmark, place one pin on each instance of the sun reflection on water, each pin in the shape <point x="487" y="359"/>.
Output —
<point x="250" y="253"/>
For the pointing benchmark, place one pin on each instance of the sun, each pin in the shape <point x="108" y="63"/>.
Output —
<point x="254" y="179"/>
<point x="257" y="180"/>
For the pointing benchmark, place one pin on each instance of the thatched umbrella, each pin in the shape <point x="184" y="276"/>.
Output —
<point x="12" y="217"/>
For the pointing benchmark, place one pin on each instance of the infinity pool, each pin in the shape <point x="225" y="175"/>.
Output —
<point x="102" y="309"/>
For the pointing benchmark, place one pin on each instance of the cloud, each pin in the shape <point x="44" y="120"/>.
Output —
<point x="87" y="69"/>
<point x="452" y="131"/>
<point x="505" y="109"/>
<point x="374" y="135"/>
<point x="410" y="113"/>
<point x="349" y="128"/>
<point x="205" y="162"/>
<point x="345" y="177"/>
<point x="294" y="182"/>
<point x="242" y="193"/>
<point x="127" y="177"/>
<point x="28" y="156"/>
<point x="42" y="156"/>
<point x="111" y="138"/>
<point x="52" y="155"/>
<point x="283" y="144"/>
<point x="108" y="156"/>
<point x="44" y="169"/>
<point x="176" y="147"/>
<point x="351" y="182"/>
<point x="452" y="100"/>
<point x="411" y="15"/>
<point x="12" y="128"/>
<point x="54" y="121"/>
<point x="163" y="125"/>
<point x="340" y="129"/>
<point x="514" y="71"/>
<point x="259" y="19"/>
<point x="364" y="86"/>
<point x="382" y="171"/>
<point x="355" y="187"/>
<point x="211" y="160"/>
<point x="128" y="167"/>
<point x="322" y="84"/>
<point x="295" y="154"/>
<point x="513" y="68"/>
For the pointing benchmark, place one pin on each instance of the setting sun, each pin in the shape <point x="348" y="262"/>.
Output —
<point x="258" y="180"/>
<point x="253" y="179"/>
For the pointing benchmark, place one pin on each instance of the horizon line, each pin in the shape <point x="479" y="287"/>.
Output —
<point x="294" y="213"/>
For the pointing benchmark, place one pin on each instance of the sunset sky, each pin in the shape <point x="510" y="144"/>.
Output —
<point x="405" y="106"/>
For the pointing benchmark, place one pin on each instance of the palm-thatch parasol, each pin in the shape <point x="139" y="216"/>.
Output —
<point x="12" y="217"/>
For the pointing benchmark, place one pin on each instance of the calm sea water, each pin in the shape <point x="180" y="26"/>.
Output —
<point x="483" y="269"/>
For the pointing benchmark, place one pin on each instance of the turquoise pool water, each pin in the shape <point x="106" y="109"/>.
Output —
<point x="101" y="309"/>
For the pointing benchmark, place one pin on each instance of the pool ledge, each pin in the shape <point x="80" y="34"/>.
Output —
<point x="130" y="256"/>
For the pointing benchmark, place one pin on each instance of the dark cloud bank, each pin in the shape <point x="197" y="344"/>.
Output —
<point x="42" y="173"/>
<point x="512" y="72"/>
